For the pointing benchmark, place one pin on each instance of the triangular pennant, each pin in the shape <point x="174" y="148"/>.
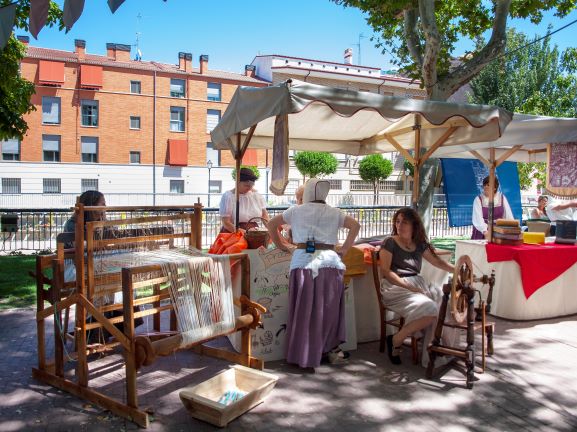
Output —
<point x="72" y="11"/>
<point x="7" y="14"/>
<point x="114" y="4"/>
<point x="38" y="15"/>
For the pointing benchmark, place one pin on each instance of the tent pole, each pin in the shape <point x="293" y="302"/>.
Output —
<point x="491" y="193"/>
<point x="238" y="160"/>
<point x="417" y="165"/>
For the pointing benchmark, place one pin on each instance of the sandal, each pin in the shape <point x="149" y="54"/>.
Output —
<point x="337" y="356"/>
<point x="392" y="351"/>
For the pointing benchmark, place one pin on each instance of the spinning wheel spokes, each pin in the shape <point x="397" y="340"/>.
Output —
<point x="462" y="276"/>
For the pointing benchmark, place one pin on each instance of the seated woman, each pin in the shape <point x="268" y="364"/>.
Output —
<point x="540" y="212"/>
<point x="403" y="289"/>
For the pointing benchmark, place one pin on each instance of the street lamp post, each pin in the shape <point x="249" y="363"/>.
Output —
<point x="209" y="166"/>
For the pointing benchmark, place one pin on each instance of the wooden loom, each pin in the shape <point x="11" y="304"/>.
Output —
<point x="139" y="349"/>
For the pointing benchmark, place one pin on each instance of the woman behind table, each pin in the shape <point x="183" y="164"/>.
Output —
<point x="316" y="316"/>
<point x="501" y="209"/>
<point x="251" y="204"/>
<point x="403" y="289"/>
<point x="540" y="212"/>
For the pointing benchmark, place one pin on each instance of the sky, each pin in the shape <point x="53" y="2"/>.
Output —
<point x="233" y="32"/>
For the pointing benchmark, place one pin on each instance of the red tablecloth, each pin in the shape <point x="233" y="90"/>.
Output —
<point x="539" y="264"/>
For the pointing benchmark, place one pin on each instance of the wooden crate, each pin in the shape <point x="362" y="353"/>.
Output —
<point x="202" y="400"/>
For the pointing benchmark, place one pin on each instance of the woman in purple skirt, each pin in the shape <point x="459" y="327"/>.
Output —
<point x="316" y="316"/>
<point x="501" y="209"/>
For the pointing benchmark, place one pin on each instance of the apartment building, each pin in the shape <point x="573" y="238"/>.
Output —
<point x="120" y="125"/>
<point x="349" y="76"/>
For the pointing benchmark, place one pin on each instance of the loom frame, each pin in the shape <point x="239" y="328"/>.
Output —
<point x="63" y="295"/>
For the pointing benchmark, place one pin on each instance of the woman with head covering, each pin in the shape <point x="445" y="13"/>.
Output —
<point x="403" y="289"/>
<point x="501" y="209"/>
<point x="316" y="316"/>
<point x="251" y="204"/>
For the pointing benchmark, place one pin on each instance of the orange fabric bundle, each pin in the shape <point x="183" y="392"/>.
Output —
<point x="228" y="243"/>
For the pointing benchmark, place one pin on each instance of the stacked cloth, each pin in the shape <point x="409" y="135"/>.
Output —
<point x="508" y="232"/>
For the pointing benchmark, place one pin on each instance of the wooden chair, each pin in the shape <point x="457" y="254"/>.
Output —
<point x="397" y="322"/>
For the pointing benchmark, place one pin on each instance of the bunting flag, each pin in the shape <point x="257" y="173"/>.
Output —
<point x="562" y="169"/>
<point x="114" y="4"/>
<point x="72" y="11"/>
<point x="463" y="181"/>
<point x="38" y="15"/>
<point x="7" y="15"/>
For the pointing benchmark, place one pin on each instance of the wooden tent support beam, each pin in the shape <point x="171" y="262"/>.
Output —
<point x="131" y="413"/>
<point x="442" y="139"/>
<point x="400" y="149"/>
<point x="481" y="158"/>
<point x="418" y="164"/>
<point x="506" y="155"/>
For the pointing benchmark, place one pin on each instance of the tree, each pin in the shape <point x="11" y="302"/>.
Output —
<point x="15" y="92"/>
<point x="375" y="168"/>
<point x="421" y="36"/>
<point x="315" y="164"/>
<point x="534" y="79"/>
<point x="254" y="169"/>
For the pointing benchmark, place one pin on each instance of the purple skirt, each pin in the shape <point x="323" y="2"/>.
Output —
<point x="316" y="316"/>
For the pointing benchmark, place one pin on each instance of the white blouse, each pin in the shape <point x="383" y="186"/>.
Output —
<point x="318" y="222"/>
<point x="251" y="205"/>
<point x="478" y="221"/>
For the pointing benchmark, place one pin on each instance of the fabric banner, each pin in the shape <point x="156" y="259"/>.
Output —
<point x="280" y="162"/>
<point x="562" y="169"/>
<point x="463" y="181"/>
<point x="7" y="15"/>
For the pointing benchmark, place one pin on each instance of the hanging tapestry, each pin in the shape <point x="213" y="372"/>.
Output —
<point x="562" y="169"/>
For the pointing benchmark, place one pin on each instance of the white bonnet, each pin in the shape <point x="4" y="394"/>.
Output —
<point x="316" y="190"/>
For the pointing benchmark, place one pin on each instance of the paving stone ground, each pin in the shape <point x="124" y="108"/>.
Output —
<point x="530" y="384"/>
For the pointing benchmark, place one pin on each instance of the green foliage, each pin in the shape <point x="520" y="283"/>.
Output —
<point x="250" y="167"/>
<point x="374" y="168"/>
<point x="315" y="164"/>
<point x="408" y="166"/>
<point x="15" y="92"/>
<point x="537" y="79"/>
<point x="399" y="26"/>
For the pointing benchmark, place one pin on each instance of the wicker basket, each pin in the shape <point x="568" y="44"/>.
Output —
<point x="255" y="237"/>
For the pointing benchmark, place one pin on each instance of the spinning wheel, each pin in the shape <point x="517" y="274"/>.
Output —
<point x="462" y="277"/>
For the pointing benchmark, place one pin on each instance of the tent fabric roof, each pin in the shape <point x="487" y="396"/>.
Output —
<point x="352" y="122"/>
<point x="532" y="132"/>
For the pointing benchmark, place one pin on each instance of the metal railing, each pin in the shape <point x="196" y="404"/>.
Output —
<point x="36" y="230"/>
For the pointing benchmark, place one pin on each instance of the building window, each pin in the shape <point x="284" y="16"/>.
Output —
<point x="134" y="122"/>
<point x="10" y="150"/>
<point x="51" y="185"/>
<point x="134" y="157"/>
<point x="51" y="148"/>
<point x="212" y="119"/>
<point x="88" y="184"/>
<point x="89" y="149"/>
<point x="384" y="185"/>
<point x="177" y="186"/>
<point x="10" y="185"/>
<point x="89" y="113"/>
<point x="177" y="119"/>
<point x="135" y="87"/>
<point x="215" y="186"/>
<point x="212" y="154"/>
<point x="213" y="91"/>
<point x="50" y="110"/>
<point x="336" y="184"/>
<point x="177" y="88"/>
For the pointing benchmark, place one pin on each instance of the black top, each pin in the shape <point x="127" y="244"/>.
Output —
<point x="404" y="263"/>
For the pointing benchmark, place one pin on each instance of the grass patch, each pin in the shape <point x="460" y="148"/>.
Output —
<point x="17" y="287"/>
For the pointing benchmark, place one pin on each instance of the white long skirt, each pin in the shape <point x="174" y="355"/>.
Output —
<point x="412" y="306"/>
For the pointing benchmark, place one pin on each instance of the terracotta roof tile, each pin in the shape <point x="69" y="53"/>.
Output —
<point x="72" y="57"/>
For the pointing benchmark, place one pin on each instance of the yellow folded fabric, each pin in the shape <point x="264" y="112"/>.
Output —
<point x="534" y="237"/>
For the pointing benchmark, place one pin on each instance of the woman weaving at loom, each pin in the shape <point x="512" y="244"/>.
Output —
<point x="251" y="204"/>
<point x="316" y="316"/>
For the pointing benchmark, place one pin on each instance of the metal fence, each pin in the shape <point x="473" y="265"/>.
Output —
<point x="36" y="230"/>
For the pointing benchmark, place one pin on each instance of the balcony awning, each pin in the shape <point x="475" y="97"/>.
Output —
<point x="51" y="73"/>
<point x="91" y="77"/>
<point x="177" y="154"/>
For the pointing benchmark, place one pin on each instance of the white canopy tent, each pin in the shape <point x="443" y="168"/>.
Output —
<point x="301" y="116"/>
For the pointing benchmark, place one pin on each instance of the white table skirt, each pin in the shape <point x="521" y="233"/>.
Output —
<point x="557" y="298"/>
